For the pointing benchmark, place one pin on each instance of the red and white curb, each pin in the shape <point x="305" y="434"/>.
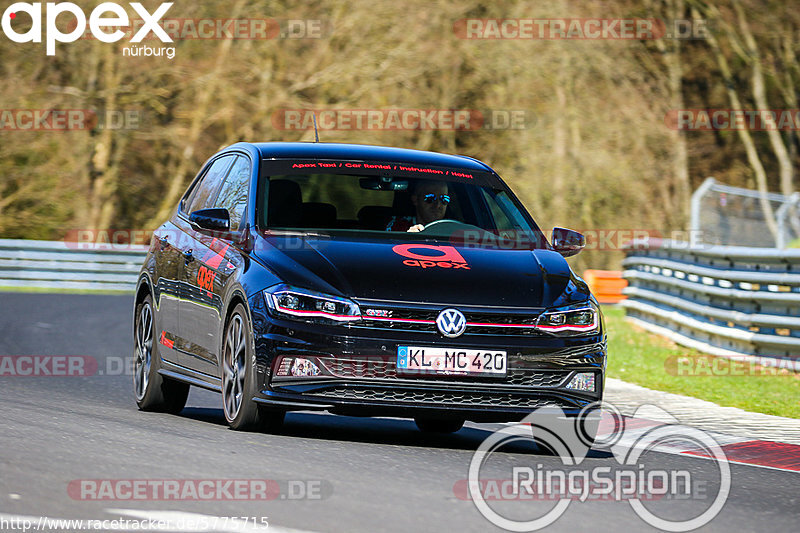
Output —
<point x="746" y="438"/>
<point x="738" y="450"/>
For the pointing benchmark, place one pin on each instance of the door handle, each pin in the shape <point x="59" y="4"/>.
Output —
<point x="187" y="256"/>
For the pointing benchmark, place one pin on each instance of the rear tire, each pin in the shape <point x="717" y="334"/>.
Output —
<point x="436" y="425"/>
<point x="239" y="378"/>
<point x="153" y="391"/>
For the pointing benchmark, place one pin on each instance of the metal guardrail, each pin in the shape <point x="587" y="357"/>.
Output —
<point x="69" y="265"/>
<point x="722" y="300"/>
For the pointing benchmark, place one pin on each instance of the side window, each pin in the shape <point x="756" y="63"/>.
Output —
<point x="203" y="193"/>
<point x="500" y="206"/>
<point x="233" y="194"/>
<point x="514" y="215"/>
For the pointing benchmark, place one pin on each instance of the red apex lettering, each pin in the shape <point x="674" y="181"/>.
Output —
<point x="444" y="257"/>
<point x="205" y="278"/>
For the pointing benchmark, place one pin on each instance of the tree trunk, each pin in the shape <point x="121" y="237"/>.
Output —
<point x="196" y="125"/>
<point x="560" y="142"/>
<point x="104" y="172"/>
<point x="760" y="97"/>
<point x="744" y="134"/>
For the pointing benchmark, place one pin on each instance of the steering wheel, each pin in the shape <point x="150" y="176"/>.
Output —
<point x="447" y="227"/>
<point x="441" y="220"/>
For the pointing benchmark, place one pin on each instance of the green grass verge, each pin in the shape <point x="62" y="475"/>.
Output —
<point x="637" y="356"/>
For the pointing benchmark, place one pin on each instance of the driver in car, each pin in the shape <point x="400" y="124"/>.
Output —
<point x="430" y="199"/>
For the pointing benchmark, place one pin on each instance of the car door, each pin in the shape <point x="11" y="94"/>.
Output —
<point x="168" y="278"/>
<point x="200" y="197"/>
<point x="214" y="260"/>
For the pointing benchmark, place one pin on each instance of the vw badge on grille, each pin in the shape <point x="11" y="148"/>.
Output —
<point x="451" y="322"/>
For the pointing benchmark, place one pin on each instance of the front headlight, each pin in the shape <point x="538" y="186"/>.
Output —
<point x="572" y="320"/>
<point x="303" y="304"/>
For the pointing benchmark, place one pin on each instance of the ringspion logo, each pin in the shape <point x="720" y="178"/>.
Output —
<point x="102" y="20"/>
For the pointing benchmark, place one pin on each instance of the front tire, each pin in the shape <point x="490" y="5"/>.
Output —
<point x="239" y="378"/>
<point x="153" y="391"/>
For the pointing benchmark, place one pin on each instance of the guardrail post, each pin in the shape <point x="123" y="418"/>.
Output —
<point x="780" y="218"/>
<point x="696" y="209"/>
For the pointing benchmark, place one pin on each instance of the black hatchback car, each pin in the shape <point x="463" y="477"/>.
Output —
<point x="362" y="280"/>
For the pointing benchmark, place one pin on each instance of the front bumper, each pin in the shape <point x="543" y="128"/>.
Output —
<point x="359" y="374"/>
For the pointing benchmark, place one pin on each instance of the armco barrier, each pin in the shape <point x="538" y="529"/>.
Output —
<point x="606" y="285"/>
<point x="723" y="300"/>
<point x="61" y="265"/>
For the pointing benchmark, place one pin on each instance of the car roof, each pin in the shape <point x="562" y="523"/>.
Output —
<point x="363" y="152"/>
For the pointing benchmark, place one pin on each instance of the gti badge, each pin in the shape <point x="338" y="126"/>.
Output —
<point x="451" y="322"/>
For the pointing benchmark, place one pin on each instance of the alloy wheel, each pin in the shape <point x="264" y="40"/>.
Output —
<point x="234" y="361"/>
<point x="144" y="351"/>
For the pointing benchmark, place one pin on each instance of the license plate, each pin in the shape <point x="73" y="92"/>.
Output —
<point x="450" y="361"/>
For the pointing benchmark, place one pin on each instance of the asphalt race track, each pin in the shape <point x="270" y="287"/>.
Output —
<point x="334" y="473"/>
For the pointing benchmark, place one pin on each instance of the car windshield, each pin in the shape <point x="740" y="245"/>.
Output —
<point x="382" y="200"/>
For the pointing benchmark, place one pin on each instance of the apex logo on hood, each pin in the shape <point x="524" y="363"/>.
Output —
<point x="441" y="257"/>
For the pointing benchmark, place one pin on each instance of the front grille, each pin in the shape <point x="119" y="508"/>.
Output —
<point x="385" y="368"/>
<point x="394" y="325"/>
<point x="478" y="323"/>
<point x="537" y="378"/>
<point x="443" y="398"/>
<point x="499" y="318"/>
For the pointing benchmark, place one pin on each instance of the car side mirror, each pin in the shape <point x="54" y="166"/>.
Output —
<point x="214" y="219"/>
<point x="567" y="242"/>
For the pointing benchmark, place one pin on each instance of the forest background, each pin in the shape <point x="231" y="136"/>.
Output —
<point x="596" y="151"/>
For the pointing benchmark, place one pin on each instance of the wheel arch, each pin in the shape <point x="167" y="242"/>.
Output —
<point x="236" y="297"/>
<point x="143" y="288"/>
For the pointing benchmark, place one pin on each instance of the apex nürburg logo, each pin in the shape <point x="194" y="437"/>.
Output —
<point x="103" y="18"/>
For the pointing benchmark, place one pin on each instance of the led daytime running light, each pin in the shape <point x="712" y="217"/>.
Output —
<point x="563" y="323"/>
<point x="307" y="305"/>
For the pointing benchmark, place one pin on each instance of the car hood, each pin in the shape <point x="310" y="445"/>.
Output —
<point x="419" y="272"/>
